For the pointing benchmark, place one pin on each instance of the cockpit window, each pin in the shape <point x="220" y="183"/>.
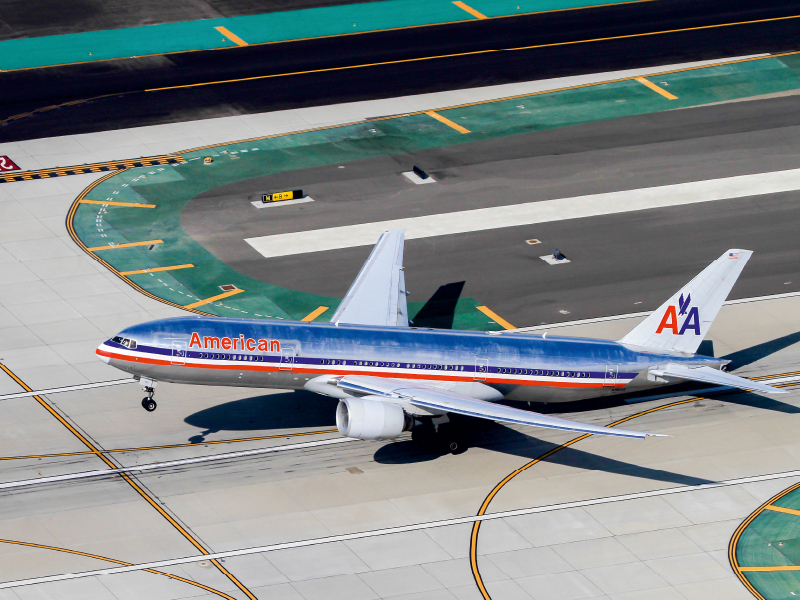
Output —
<point x="127" y="342"/>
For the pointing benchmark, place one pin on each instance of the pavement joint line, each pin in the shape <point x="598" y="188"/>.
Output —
<point x="213" y="298"/>
<point x="656" y="88"/>
<point x="231" y="36"/>
<point x="139" y="489"/>
<point x="172" y="463"/>
<point x="472" y="53"/>
<point x="156" y="270"/>
<point x="470" y="10"/>
<point x="496" y="318"/>
<point x="314" y="314"/>
<point x="402" y="529"/>
<point x="129" y="245"/>
<point x="446" y="121"/>
<point x="69" y="388"/>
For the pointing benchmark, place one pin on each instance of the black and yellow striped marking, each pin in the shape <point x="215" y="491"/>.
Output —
<point x="114" y="165"/>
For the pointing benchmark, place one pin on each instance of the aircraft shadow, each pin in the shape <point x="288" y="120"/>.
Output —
<point x="496" y="437"/>
<point x="440" y="310"/>
<point x="755" y="353"/>
<point x="287" y="410"/>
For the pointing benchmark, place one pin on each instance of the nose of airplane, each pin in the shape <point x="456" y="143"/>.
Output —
<point x="101" y="354"/>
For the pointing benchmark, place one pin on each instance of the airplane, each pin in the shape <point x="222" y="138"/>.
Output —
<point x="391" y="377"/>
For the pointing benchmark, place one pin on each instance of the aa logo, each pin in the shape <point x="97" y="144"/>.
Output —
<point x="670" y="319"/>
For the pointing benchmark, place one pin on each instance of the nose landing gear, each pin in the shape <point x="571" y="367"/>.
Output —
<point x="149" y="387"/>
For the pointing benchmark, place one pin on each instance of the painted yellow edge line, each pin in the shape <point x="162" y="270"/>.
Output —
<point x="656" y="88"/>
<point x="470" y="10"/>
<point x="446" y="121"/>
<point x="495" y="317"/>
<point x="131" y="245"/>
<point x="314" y="314"/>
<point x="213" y="299"/>
<point x="781" y="509"/>
<point x="156" y="269"/>
<point x="104" y="202"/>
<point x="231" y="36"/>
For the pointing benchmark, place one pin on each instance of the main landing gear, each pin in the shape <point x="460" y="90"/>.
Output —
<point x="149" y="387"/>
<point x="442" y="437"/>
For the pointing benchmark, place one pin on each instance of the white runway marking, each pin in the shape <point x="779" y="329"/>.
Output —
<point x="400" y="529"/>
<point x="545" y="211"/>
<point x="171" y="463"/>
<point x="69" y="388"/>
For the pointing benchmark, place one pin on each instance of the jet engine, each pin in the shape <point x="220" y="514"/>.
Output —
<point x="370" y="418"/>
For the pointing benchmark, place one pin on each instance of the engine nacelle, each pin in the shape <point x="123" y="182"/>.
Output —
<point x="370" y="418"/>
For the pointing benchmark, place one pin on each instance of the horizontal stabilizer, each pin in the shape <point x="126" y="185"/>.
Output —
<point x="715" y="376"/>
<point x="441" y="401"/>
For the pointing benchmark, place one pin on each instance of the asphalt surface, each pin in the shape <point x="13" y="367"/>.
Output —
<point x="621" y="263"/>
<point x="26" y="18"/>
<point x="112" y="93"/>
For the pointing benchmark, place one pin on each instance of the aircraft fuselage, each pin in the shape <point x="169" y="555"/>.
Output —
<point x="290" y="355"/>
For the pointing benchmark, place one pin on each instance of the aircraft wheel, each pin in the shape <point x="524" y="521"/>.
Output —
<point x="149" y="404"/>
<point x="451" y="439"/>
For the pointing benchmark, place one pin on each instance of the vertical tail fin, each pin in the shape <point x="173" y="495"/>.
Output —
<point x="681" y="323"/>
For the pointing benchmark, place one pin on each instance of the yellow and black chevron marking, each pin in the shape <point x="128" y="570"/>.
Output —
<point x="114" y="165"/>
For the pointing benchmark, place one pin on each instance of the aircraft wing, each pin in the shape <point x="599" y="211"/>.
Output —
<point x="715" y="376"/>
<point x="441" y="401"/>
<point x="378" y="295"/>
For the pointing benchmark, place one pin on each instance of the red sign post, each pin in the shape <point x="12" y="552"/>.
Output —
<point x="6" y="164"/>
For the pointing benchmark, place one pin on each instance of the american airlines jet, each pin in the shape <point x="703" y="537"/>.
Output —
<point x="390" y="377"/>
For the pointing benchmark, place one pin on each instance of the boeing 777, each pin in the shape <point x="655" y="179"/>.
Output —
<point x="390" y="376"/>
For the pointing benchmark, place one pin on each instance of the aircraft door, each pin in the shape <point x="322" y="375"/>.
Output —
<point x="178" y="352"/>
<point x="610" y="379"/>
<point x="481" y="368"/>
<point x="287" y="358"/>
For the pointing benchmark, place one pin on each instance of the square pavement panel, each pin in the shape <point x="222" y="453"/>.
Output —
<point x="561" y="586"/>
<point x="398" y="550"/>
<point x="527" y="563"/>
<point x="688" y="568"/>
<point x="559" y="527"/>
<point x="589" y="554"/>
<point x="313" y="562"/>
<point x="664" y="543"/>
<point x="401" y="581"/>
<point x="342" y="587"/>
